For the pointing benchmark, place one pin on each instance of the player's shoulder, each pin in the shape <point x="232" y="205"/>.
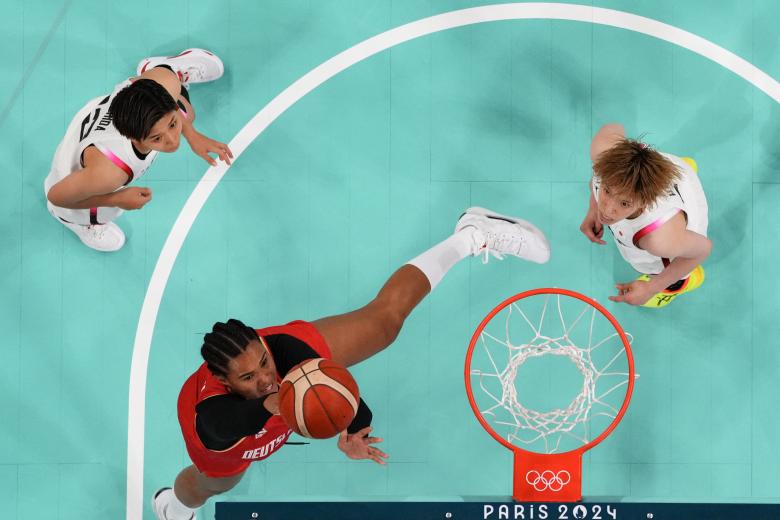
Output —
<point x="666" y="237"/>
<point x="288" y="351"/>
<point x="98" y="164"/>
<point x="283" y="341"/>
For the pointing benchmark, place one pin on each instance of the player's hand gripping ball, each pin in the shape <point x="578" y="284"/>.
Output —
<point x="318" y="398"/>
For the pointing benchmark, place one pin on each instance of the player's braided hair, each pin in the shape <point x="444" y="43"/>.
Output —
<point x="224" y="342"/>
<point x="138" y="107"/>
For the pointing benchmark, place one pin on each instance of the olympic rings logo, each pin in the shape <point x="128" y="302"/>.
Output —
<point x="548" y="480"/>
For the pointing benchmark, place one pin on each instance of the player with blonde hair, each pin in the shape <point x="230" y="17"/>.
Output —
<point x="654" y="205"/>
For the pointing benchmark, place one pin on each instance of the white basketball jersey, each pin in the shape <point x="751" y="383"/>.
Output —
<point x="92" y="126"/>
<point x="686" y="195"/>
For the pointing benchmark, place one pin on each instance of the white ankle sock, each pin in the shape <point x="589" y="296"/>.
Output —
<point x="435" y="262"/>
<point x="178" y="511"/>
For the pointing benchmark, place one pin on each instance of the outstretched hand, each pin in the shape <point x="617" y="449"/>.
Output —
<point x="203" y="146"/>
<point x="358" y="445"/>
<point x="637" y="292"/>
<point x="592" y="228"/>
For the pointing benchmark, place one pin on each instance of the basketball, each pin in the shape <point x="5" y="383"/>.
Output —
<point x="318" y="398"/>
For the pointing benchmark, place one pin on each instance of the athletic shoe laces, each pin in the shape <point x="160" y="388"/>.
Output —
<point x="499" y="244"/>
<point x="97" y="231"/>
<point x="192" y="73"/>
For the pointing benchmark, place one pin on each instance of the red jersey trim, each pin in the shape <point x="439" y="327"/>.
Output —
<point x="652" y="227"/>
<point x="117" y="161"/>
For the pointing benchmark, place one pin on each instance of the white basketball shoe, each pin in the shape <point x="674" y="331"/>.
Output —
<point x="160" y="502"/>
<point x="500" y="235"/>
<point x="100" y="237"/>
<point x="192" y="65"/>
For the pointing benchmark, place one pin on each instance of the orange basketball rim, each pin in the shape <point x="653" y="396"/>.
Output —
<point x="550" y="476"/>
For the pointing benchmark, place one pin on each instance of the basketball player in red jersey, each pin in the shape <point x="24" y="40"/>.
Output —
<point x="229" y="408"/>
<point x="113" y="139"/>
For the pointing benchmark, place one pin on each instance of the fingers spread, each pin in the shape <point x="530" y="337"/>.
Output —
<point x="378" y="455"/>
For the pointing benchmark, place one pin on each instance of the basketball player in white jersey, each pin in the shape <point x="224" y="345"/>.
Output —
<point x="113" y="139"/>
<point x="654" y="205"/>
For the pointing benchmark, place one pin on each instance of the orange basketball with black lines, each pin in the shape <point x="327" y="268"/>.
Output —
<point x="318" y="398"/>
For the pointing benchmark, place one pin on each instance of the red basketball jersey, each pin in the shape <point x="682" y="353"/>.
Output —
<point x="202" y="385"/>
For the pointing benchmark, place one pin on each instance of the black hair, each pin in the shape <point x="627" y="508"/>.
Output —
<point x="138" y="107"/>
<point x="224" y="342"/>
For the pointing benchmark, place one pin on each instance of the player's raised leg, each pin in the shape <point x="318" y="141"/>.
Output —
<point x="193" y="488"/>
<point x="233" y="397"/>
<point x="360" y="334"/>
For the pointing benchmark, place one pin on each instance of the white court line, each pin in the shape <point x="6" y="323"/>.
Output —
<point x="313" y="79"/>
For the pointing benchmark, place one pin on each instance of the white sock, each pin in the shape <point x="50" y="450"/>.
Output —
<point x="435" y="262"/>
<point x="176" y="510"/>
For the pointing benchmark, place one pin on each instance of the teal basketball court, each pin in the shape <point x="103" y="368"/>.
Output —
<point x="358" y="176"/>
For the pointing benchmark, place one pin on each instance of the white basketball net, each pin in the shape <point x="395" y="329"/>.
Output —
<point x="520" y="424"/>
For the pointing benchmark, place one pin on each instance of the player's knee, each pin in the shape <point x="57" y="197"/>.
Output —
<point x="215" y="492"/>
<point x="219" y="488"/>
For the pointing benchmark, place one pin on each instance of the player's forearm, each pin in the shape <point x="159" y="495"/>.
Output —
<point x="188" y="130"/>
<point x="677" y="269"/>
<point x="63" y="199"/>
<point x="698" y="251"/>
<point x="188" y="121"/>
<point x="362" y="418"/>
<point x="592" y="204"/>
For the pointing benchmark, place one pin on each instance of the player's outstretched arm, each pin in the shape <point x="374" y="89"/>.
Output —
<point x="358" y="445"/>
<point x="607" y="137"/>
<point x="672" y="240"/>
<point x="97" y="185"/>
<point x="687" y="248"/>
<point x="591" y="227"/>
<point x="202" y="146"/>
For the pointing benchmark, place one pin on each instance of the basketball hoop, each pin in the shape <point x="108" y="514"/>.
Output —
<point x="574" y="335"/>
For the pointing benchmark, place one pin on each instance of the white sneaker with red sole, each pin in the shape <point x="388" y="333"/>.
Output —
<point x="191" y="65"/>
